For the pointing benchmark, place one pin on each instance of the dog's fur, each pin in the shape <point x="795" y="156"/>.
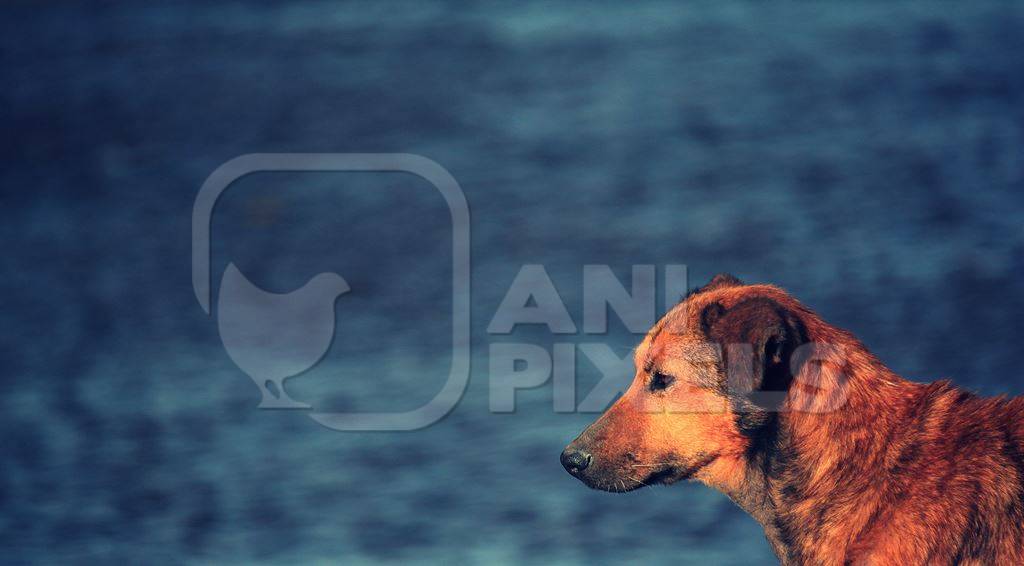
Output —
<point x="848" y="463"/>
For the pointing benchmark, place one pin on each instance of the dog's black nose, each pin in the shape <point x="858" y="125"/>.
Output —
<point x="575" y="461"/>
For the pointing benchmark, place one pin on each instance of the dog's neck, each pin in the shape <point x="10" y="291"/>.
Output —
<point x="754" y="495"/>
<point x="797" y="463"/>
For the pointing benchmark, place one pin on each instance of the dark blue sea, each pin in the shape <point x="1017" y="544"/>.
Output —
<point x="867" y="157"/>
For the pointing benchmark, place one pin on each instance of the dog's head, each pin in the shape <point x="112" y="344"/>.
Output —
<point x="710" y="377"/>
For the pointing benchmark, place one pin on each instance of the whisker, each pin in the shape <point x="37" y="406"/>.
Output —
<point x="639" y="481"/>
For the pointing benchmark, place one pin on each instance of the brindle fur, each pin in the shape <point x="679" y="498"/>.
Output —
<point x="858" y="467"/>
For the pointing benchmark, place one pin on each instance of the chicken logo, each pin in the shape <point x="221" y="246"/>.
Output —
<point x="272" y="337"/>
<point x="275" y="336"/>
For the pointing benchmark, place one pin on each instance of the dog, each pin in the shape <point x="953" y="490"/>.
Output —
<point x="840" y="460"/>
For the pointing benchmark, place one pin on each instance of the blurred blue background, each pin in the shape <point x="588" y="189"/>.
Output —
<point x="867" y="157"/>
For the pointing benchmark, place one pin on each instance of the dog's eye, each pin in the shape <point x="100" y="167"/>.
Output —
<point x="660" y="381"/>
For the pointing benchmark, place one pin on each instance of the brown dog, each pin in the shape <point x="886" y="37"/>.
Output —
<point x="841" y="461"/>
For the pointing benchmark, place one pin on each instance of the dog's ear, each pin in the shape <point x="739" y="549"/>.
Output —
<point x="758" y="337"/>
<point x="720" y="281"/>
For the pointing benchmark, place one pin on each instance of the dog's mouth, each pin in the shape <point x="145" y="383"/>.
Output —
<point x="672" y="473"/>
<point x="666" y="476"/>
<point x="643" y="475"/>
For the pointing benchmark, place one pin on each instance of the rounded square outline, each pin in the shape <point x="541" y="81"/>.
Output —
<point x="427" y="169"/>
